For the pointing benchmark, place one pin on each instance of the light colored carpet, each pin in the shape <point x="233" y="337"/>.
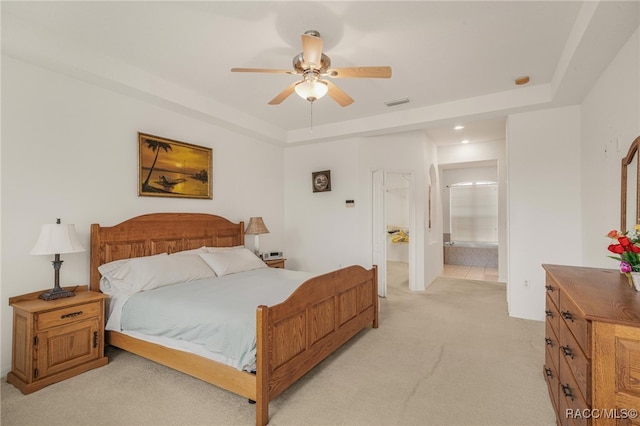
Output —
<point x="448" y="356"/>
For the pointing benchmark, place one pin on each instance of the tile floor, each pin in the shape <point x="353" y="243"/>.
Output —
<point x="479" y="273"/>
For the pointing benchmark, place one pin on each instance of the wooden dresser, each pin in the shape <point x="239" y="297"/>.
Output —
<point x="592" y="360"/>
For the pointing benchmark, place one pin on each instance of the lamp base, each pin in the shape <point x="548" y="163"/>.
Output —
<point x="56" y="293"/>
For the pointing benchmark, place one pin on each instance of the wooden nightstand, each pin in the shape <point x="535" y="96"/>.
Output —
<point x="54" y="340"/>
<point x="275" y="263"/>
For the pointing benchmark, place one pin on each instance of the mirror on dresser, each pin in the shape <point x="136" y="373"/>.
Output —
<point x="630" y="189"/>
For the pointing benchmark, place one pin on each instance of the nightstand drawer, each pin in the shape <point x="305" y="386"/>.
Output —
<point x="275" y="263"/>
<point x="67" y="315"/>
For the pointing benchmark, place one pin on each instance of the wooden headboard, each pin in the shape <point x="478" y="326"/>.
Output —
<point x="156" y="233"/>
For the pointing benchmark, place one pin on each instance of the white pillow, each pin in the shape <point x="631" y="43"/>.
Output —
<point x="227" y="262"/>
<point x="109" y="269"/>
<point x="202" y="249"/>
<point x="149" y="272"/>
<point x="219" y="249"/>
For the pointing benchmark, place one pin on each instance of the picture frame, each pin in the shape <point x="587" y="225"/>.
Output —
<point x="321" y="181"/>
<point x="170" y="168"/>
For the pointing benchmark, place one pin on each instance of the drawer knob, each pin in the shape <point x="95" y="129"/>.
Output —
<point x="567" y="315"/>
<point x="566" y="350"/>
<point x="566" y="391"/>
<point x="71" y="315"/>
<point x="548" y="341"/>
<point x="549" y="313"/>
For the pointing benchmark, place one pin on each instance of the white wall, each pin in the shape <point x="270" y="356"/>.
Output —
<point x="610" y="122"/>
<point x="433" y="250"/>
<point x="564" y="180"/>
<point x="70" y="151"/>
<point x="321" y="233"/>
<point x="544" y="209"/>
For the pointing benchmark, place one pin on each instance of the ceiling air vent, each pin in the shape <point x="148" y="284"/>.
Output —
<point x="397" y="102"/>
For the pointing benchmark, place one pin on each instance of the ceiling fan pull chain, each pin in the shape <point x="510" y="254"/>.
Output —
<point x="311" y="118"/>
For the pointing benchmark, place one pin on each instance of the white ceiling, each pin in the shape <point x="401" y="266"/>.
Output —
<point x="455" y="60"/>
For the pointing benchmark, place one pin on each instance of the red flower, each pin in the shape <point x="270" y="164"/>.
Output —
<point x="612" y="234"/>
<point x="616" y="248"/>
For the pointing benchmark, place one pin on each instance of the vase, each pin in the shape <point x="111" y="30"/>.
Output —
<point x="635" y="281"/>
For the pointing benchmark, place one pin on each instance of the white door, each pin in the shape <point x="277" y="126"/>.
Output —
<point x="379" y="231"/>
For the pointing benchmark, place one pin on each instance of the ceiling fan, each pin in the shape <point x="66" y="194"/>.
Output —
<point x="314" y="66"/>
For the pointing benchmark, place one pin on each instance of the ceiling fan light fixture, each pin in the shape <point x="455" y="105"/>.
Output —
<point x="311" y="90"/>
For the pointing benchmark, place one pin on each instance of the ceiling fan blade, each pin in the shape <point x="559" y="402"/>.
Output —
<point x="360" y="72"/>
<point x="311" y="50"/>
<point x="284" y="94"/>
<point x="263" y="70"/>
<point x="338" y="95"/>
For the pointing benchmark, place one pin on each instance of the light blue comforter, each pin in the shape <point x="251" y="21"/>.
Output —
<point x="218" y="313"/>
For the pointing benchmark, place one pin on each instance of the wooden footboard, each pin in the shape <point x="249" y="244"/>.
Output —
<point x="319" y="317"/>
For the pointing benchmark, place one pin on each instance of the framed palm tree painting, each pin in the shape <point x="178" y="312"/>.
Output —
<point x="169" y="168"/>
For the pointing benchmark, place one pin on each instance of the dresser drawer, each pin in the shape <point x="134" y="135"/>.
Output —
<point x="577" y="362"/>
<point x="579" y="326"/>
<point x="552" y="314"/>
<point x="552" y="346"/>
<point x="67" y="315"/>
<point x="553" y="383"/>
<point x="570" y="398"/>
<point x="553" y="290"/>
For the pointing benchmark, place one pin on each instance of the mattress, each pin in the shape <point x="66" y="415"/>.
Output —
<point x="212" y="317"/>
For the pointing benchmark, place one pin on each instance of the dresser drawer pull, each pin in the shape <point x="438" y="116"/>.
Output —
<point x="549" y="313"/>
<point x="567" y="315"/>
<point x="548" y="372"/>
<point x="566" y="350"/>
<point x="549" y="288"/>
<point x="566" y="390"/>
<point x="71" y="315"/>
<point x="548" y="341"/>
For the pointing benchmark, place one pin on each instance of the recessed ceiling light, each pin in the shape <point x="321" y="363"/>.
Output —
<point x="458" y="127"/>
<point x="465" y="141"/>
<point x="522" y="80"/>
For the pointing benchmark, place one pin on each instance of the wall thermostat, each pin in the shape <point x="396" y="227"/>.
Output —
<point x="270" y="255"/>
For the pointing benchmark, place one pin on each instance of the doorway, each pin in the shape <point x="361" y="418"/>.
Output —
<point x="470" y="205"/>
<point x="393" y="219"/>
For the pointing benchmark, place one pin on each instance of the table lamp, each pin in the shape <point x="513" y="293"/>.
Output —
<point x="56" y="239"/>
<point x="256" y="227"/>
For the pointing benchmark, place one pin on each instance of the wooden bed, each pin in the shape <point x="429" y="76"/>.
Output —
<point x="292" y="337"/>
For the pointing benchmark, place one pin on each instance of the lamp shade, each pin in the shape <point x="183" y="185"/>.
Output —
<point x="56" y="239"/>
<point x="256" y="226"/>
<point x="311" y="90"/>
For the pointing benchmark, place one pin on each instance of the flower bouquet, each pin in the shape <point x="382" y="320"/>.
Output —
<point x="628" y="251"/>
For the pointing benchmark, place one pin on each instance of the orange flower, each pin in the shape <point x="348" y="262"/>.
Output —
<point x="612" y="234"/>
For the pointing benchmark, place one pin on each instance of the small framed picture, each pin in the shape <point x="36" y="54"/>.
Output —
<point x="321" y="181"/>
